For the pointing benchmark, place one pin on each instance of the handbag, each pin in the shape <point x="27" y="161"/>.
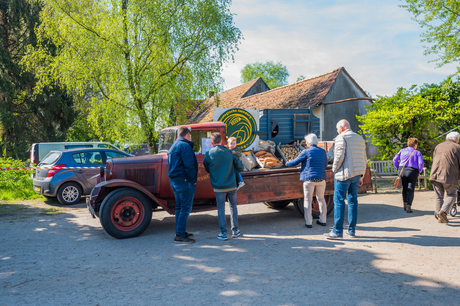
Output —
<point x="398" y="183"/>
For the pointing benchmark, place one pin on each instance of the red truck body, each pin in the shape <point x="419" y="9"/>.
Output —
<point x="131" y="188"/>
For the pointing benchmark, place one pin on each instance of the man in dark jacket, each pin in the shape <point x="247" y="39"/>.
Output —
<point x="221" y="164"/>
<point x="183" y="171"/>
<point x="445" y="174"/>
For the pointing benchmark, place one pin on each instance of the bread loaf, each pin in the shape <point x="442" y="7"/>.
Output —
<point x="260" y="153"/>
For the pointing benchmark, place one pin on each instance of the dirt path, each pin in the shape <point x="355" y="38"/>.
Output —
<point x="54" y="255"/>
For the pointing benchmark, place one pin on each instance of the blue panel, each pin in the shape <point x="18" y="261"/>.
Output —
<point x="285" y="122"/>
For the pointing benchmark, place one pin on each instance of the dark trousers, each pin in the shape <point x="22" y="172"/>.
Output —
<point x="409" y="180"/>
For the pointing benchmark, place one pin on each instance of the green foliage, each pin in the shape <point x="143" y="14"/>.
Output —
<point x="137" y="57"/>
<point x="16" y="184"/>
<point x="25" y="117"/>
<point x="441" y="19"/>
<point x="274" y="74"/>
<point x="424" y="113"/>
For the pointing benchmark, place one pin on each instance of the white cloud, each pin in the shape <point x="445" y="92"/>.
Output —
<point x="376" y="41"/>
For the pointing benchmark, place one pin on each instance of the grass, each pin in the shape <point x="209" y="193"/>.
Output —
<point x="16" y="184"/>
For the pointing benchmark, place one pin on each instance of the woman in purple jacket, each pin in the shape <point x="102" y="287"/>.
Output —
<point x="412" y="161"/>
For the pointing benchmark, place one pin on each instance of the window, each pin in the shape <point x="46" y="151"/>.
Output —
<point x="93" y="158"/>
<point x="114" y="155"/>
<point x="77" y="146"/>
<point x="50" y="158"/>
<point x="166" y="140"/>
<point x="197" y="138"/>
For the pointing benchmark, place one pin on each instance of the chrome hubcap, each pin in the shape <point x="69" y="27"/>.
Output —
<point x="70" y="194"/>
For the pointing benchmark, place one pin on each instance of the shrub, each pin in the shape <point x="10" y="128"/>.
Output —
<point x="16" y="184"/>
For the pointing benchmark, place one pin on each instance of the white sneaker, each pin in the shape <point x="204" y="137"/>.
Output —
<point x="332" y="236"/>
<point x="240" y="184"/>
<point x="236" y="234"/>
<point x="222" y="236"/>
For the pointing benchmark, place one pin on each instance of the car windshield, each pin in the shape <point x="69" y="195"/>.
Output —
<point x="166" y="140"/>
<point x="50" y="158"/>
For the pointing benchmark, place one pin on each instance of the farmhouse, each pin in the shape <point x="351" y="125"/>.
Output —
<point x="331" y="96"/>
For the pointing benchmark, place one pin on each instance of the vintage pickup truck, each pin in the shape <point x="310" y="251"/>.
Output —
<point x="131" y="188"/>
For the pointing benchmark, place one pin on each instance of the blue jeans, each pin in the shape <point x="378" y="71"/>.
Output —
<point x="341" y="189"/>
<point x="184" y="192"/>
<point x="220" y="198"/>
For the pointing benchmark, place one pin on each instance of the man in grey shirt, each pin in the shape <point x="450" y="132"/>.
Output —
<point x="349" y="168"/>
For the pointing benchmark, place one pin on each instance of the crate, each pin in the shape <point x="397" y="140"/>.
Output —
<point x="278" y="148"/>
<point x="261" y="164"/>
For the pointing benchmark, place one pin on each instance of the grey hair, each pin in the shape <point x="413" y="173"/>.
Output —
<point x="453" y="136"/>
<point x="311" y="139"/>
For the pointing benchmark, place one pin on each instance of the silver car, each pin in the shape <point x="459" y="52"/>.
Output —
<point x="68" y="185"/>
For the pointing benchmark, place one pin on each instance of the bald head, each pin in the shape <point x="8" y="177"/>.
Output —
<point x="342" y="126"/>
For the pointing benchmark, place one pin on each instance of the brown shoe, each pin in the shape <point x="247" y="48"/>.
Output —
<point x="442" y="216"/>
<point x="409" y="209"/>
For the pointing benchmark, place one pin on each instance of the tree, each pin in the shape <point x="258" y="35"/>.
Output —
<point x="442" y="22"/>
<point x="424" y="113"/>
<point x="140" y="57"/>
<point x="274" y="75"/>
<point x="26" y="117"/>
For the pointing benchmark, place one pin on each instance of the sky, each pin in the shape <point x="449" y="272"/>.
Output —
<point x="376" y="41"/>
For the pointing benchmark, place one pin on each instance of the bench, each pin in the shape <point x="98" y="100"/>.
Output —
<point x="385" y="170"/>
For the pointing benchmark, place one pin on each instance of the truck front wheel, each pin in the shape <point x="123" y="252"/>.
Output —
<point x="125" y="213"/>
<point x="315" y="209"/>
<point x="278" y="204"/>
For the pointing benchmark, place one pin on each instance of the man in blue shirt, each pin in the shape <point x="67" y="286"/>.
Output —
<point x="183" y="171"/>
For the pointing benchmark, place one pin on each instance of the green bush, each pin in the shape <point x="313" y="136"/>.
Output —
<point x="16" y="184"/>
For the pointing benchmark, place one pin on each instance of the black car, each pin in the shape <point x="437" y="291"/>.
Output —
<point x="68" y="185"/>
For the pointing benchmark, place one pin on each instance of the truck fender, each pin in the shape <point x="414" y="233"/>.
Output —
<point x="121" y="183"/>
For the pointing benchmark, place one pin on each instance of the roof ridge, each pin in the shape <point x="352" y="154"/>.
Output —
<point x="247" y="83"/>
<point x="274" y="89"/>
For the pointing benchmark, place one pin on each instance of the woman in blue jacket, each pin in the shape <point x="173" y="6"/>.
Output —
<point x="313" y="173"/>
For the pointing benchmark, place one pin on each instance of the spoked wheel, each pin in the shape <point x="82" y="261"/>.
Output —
<point x="69" y="193"/>
<point x="277" y="204"/>
<point x="125" y="213"/>
<point x="453" y="210"/>
<point x="315" y="207"/>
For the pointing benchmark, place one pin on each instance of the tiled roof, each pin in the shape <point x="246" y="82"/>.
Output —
<point x="225" y="99"/>
<point x="302" y="94"/>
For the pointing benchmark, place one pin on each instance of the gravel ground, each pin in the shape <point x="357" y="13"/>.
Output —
<point x="55" y="255"/>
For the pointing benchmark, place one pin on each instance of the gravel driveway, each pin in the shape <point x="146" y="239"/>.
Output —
<point x="55" y="255"/>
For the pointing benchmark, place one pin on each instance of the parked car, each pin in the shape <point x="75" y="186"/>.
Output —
<point x="39" y="150"/>
<point x="68" y="185"/>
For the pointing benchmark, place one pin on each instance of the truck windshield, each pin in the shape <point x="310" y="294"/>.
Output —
<point x="166" y="141"/>
<point x="202" y="141"/>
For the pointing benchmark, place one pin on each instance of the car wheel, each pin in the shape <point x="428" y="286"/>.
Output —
<point x="69" y="193"/>
<point x="125" y="213"/>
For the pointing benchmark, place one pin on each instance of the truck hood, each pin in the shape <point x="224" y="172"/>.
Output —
<point x="153" y="158"/>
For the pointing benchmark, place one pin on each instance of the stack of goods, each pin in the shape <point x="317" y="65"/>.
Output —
<point x="289" y="152"/>
<point x="268" y="160"/>
<point x="251" y="162"/>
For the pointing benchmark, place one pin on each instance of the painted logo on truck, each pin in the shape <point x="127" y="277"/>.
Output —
<point x="241" y="125"/>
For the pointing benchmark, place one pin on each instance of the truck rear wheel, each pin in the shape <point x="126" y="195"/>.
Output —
<point x="125" y="213"/>
<point x="315" y="209"/>
<point x="278" y="204"/>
